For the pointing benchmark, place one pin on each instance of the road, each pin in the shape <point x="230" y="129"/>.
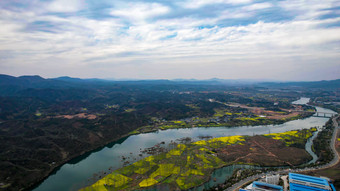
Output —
<point x="285" y="182"/>
<point x="335" y="160"/>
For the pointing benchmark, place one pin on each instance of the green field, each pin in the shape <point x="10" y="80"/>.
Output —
<point x="184" y="166"/>
<point x="221" y="118"/>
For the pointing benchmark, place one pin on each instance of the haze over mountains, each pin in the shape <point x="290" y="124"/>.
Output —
<point x="12" y="85"/>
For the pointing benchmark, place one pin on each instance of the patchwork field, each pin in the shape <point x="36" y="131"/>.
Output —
<point x="236" y="115"/>
<point x="190" y="165"/>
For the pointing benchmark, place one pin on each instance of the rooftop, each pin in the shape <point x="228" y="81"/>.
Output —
<point x="307" y="178"/>
<point x="299" y="187"/>
<point x="266" y="186"/>
<point x="300" y="182"/>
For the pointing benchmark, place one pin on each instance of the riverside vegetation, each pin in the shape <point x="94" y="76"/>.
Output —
<point x="228" y="117"/>
<point x="321" y="146"/>
<point x="190" y="165"/>
<point x="45" y="123"/>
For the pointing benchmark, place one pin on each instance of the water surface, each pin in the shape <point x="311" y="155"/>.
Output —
<point x="75" y="174"/>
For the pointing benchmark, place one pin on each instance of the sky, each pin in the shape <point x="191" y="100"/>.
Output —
<point x="291" y="40"/>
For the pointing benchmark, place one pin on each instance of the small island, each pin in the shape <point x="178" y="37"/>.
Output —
<point x="190" y="165"/>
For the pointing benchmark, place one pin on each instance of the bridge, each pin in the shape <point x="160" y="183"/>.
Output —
<point x="317" y="113"/>
<point x="324" y="114"/>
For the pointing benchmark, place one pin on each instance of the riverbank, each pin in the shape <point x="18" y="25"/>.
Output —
<point x="246" y="121"/>
<point x="332" y="170"/>
<point x="88" y="151"/>
<point x="98" y="163"/>
<point x="70" y="159"/>
<point x="191" y="165"/>
<point x="312" y="170"/>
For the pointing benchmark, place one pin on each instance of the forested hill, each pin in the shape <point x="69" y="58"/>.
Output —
<point x="10" y="85"/>
<point x="46" y="122"/>
<point x="20" y="86"/>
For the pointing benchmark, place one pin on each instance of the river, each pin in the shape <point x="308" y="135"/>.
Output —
<point x="76" y="173"/>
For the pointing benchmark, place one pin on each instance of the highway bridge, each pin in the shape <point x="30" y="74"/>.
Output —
<point x="324" y="114"/>
<point x="317" y="114"/>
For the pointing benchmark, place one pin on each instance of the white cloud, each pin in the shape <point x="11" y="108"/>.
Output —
<point x="65" y="5"/>
<point x="150" y="48"/>
<point x="193" y="4"/>
<point x="246" y="11"/>
<point x="136" y="12"/>
<point x="258" y="6"/>
<point x="308" y="10"/>
<point x="235" y="14"/>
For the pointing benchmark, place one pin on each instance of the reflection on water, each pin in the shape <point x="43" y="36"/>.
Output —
<point x="74" y="175"/>
<point x="308" y="148"/>
<point x="219" y="176"/>
<point x="302" y="101"/>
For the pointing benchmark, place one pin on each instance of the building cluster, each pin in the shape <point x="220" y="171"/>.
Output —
<point x="297" y="182"/>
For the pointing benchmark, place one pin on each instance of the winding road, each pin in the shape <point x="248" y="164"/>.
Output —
<point x="335" y="160"/>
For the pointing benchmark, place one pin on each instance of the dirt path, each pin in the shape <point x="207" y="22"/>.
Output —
<point x="270" y="153"/>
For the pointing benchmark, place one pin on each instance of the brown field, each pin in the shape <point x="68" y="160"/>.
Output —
<point x="269" y="114"/>
<point x="79" y="115"/>
<point x="275" y="115"/>
<point x="265" y="152"/>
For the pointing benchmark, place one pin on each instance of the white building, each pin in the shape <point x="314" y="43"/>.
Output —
<point x="273" y="179"/>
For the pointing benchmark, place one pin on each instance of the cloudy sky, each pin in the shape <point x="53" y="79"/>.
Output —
<point x="167" y="39"/>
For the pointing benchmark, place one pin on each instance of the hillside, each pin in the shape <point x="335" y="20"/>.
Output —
<point x="46" y="122"/>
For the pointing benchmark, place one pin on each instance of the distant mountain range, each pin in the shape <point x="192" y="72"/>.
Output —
<point x="9" y="85"/>
<point x="315" y="84"/>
